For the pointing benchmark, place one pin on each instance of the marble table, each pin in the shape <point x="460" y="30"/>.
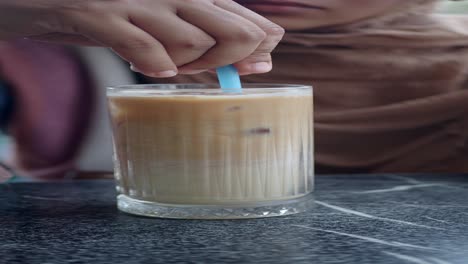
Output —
<point x="363" y="219"/>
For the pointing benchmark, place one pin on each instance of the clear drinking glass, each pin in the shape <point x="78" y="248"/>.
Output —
<point x="192" y="151"/>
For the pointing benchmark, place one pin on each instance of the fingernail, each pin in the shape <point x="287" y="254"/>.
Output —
<point x="164" y="74"/>
<point x="260" y="67"/>
<point x="133" y="68"/>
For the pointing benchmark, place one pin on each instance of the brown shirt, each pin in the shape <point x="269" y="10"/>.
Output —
<point x="390" y="98"/>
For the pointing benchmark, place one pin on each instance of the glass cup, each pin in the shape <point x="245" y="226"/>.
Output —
<point x="191" y="151"/>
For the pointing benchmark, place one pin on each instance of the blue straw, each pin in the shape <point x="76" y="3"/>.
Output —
<point x="229" y="79"/>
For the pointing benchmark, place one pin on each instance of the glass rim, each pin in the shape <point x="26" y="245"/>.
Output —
<point x="206" y="90"/>
<point x="203" y="86"/>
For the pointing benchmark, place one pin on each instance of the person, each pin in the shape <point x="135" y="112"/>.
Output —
<point x="48" y="89"/>
<point x="390" y="81"/>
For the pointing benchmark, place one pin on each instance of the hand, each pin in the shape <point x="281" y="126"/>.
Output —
<point x="160" y="38"/>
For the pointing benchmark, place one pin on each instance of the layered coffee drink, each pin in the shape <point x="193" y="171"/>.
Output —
<point x="182" y="145"/>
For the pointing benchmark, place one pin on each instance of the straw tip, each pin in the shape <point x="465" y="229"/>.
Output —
<point x="229" y="79"/>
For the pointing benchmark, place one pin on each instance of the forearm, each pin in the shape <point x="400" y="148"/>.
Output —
<point x="24" y="18"/>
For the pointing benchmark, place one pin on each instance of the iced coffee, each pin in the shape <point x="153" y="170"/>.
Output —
<point x="183" y="146"/>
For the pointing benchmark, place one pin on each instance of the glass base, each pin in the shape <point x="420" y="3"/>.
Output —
<point x="270" y="209"/>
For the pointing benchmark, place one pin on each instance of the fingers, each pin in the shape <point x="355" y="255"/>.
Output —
<point x="183" y="42"/>
<point x="162" y="38"/>
<point x="146" y="54"/>
<point x="260" y="60"/>
<point x="236" y="37"/>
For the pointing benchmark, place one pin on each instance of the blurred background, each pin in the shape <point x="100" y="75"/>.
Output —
<point x="454" y="7"/>
<point x="98" y="159"/>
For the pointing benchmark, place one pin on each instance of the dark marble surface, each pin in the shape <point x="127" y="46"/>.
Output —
<point x="357" y="219"/>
